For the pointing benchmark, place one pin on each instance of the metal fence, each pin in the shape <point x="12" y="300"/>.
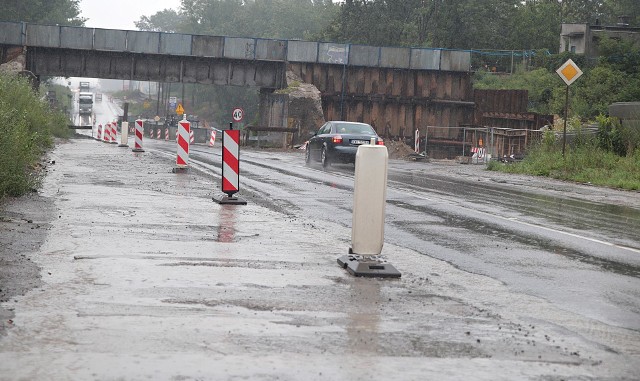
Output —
<point x="477" y="144"/>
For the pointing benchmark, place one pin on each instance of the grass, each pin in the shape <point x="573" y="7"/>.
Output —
<point x="584" y="164"/>
<point x="27" y="129"/>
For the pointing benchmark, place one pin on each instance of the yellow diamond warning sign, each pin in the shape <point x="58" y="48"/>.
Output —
<point x="569" y="72"/>
<point x="179" y="109"/>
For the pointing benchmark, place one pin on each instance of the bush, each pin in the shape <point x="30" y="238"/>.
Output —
<point x="27" y="126"/>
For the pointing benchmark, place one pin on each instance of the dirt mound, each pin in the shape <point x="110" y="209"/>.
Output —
<point x="399" y="150"/>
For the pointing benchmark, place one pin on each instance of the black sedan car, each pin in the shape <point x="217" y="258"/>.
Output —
<point x="338" y="141"/>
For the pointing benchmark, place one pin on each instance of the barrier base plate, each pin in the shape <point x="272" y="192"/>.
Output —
<point x="180" y="170"/>
<point x="137" y="150"/>
<point x="226" y="200"/>
<point x="368" y="266"/>
<point x="123" y="145"/>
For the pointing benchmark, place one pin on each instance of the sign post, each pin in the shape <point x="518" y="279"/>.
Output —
<point x="569" y="72"/>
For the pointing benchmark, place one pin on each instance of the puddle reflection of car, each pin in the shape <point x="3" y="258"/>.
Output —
<point x="338" y="142"/>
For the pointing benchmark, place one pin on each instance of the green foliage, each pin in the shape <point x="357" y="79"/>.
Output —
<point x="584" y="163"/>
<point x="167" y="20"/>
<point x="610" y="135"/>
<point x="28" y="125"/>
<point x="63" y="12"/>
<point x="280" y="19"/>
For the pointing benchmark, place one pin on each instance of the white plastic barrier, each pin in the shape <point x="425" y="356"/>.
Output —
<point x="124" y="135"/>
<point x="369" y="199"/>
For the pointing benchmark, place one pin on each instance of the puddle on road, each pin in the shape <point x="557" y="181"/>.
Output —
<point x="226" y="227"/>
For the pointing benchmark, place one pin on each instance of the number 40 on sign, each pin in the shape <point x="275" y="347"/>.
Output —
<point x="238" y="114"/>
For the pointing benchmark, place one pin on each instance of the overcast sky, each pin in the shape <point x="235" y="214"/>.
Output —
<point x="120" y="14"/>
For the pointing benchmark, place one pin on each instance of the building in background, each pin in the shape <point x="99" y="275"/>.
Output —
<point x="584" y="38"/>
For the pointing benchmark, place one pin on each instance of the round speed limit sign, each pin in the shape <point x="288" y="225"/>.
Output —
<point x="238" y="114"/>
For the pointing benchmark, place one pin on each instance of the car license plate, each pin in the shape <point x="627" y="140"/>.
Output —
<point x="359" y="142"/>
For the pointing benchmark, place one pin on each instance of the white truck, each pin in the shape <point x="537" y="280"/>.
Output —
<point x="85" y="103"/>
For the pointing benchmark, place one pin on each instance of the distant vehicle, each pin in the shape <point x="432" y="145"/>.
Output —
<point x="338" y="141"/>
<point x="85" y="86"/>
<point x="98" y="97"/>
<point x="85" y="103"/>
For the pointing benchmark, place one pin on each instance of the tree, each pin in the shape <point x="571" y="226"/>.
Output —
<point x="63" y="12"/>
<point x="167" y="20"/>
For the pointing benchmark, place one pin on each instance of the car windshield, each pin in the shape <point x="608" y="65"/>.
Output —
<point x="354" y="128"/>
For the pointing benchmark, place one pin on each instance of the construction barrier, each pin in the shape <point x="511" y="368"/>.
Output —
<point x="182" y="157"/>
<point x="139" y="134"/>
<point x="417" y="141"/>
<point x="231" y="167"/>
<point x="367" y="226"/>
<point x="124" y="135"/>
<point x="99" y="133"/>
<point x="191" y="137"/>
<point x="166" y="134"/>
<point x="114" y="133"/>
<point x="212" y="139"/>
<point x="230" y="161"/>
<point x="106" y="134"/>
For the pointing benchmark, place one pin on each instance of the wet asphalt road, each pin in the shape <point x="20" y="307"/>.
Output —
<point x="503" y="277"/>
<point x="538" y="241"/>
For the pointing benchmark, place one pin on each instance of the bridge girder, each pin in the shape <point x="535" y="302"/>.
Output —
<point x="153" y="67"/>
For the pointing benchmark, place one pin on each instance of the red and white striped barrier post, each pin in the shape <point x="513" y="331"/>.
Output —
<point x="106" y="134"/>
<point x="212" y="139"/>
<point x="166" y="134"/>
<point x="231" y="166"/>
<point x="99" y="134"/>
<point x="114" y="133"/>
<point x="139" y="126"/>
<point x="417" y="144"/>
<point x="182" y="156"/>
<point x="158" y="133"/>
<point x="192" y="139"/>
